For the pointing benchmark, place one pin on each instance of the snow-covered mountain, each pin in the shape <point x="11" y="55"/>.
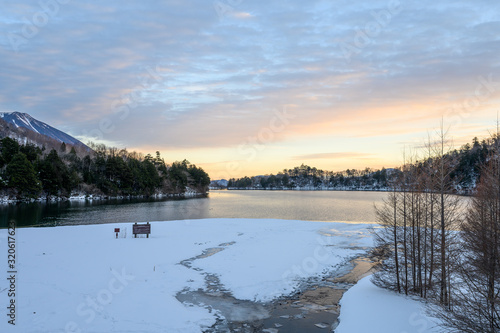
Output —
<point x="219" y="183"/>
<point x="24" y="120"/>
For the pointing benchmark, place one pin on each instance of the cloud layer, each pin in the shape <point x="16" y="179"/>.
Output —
<point x="193" y="76"/>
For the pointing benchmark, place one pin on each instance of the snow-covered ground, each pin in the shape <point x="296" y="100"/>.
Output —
<point x="82" y="279"/>
<point x="367" y="308"/>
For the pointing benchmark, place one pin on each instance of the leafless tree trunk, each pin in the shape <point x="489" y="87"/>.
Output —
<point x="449" y="210"/>
<point x="395" y="239"/>
<point x="405" y="229"/>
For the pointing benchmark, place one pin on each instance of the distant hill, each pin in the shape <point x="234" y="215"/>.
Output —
<point x="222" y="183"/>
<point x="26" y="129"/>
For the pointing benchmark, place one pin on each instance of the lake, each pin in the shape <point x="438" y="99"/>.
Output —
<point x="289" y="205"/>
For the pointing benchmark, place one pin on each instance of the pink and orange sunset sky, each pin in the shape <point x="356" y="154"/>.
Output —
<point x="244" y="87"/>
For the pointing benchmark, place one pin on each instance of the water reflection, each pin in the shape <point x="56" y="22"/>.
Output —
<point x="100" y="211"/>
<point x="292" y="205"/>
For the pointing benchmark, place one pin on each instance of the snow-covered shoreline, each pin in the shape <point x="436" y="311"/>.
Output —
<point x="313" y="188"/>
<point x="382" y="311"/>
<point x="90" y="197"/>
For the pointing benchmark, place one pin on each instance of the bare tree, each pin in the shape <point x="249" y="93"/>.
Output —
<point x="477" y="306"/>
<point x="417" y="222"/>
<point x="448" y="208"/>
<point x="387" y="240"/>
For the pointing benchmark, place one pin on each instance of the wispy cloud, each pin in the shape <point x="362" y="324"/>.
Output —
<point x="242" y="15"/>
<point x="216" y="81"/>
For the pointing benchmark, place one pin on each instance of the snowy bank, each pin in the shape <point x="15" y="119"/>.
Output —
<point x="367" y="308"/>
<point x="87" y="196"/>
<point x="82" y="279"/>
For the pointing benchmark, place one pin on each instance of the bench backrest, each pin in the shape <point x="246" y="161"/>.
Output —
<point x="141" y="228"/>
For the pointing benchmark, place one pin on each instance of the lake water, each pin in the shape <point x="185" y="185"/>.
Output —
<point x="289" y="205"/>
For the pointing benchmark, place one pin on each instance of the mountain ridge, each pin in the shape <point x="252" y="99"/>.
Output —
<point x="31" y="124"/>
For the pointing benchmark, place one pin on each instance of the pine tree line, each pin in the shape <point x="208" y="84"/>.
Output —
<point x="465" y="165"/>
<point x="305" y="176"/>
<point x="28" y="171"/>
<point x="464" y="174"/>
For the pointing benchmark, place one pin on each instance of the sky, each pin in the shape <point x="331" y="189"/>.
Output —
<point x="244" y="87"/>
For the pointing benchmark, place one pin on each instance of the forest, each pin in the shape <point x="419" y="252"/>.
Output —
<point x="465" y="168"/>
<point x="442" y="247"/>
<point x="28" y="171"/>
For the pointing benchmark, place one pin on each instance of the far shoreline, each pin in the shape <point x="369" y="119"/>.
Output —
<point x="309" y="189"/>
<point x="463" y="193"/>
<point x="5" y="200"/>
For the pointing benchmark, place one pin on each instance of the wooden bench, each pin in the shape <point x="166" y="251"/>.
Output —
<point x="141" y="229"/>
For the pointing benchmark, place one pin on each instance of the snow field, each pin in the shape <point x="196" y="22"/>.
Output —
<point x="82" y="279"/>
<point x="367" y="308"/>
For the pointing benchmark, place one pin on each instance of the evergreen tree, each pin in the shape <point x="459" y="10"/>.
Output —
<point x="31" y="151"/>
<point x="54" y="174"/>
<point x="119" y="176"/>
<point x="199" y="178"/>
<point x="178" y="175"/>
<point x="21" y="175"/>
<point x="151" y="178"/>
<point x="8" y="148"/>
<point x="62" y="149"/>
